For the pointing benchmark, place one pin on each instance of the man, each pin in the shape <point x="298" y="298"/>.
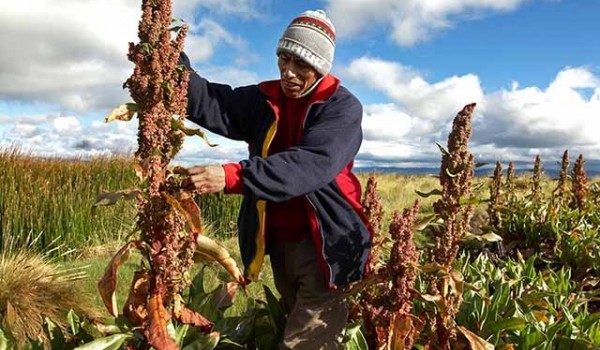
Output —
<point x="301" y="200"/>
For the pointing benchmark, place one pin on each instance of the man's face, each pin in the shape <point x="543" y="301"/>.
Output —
<point x="297" y="76"/>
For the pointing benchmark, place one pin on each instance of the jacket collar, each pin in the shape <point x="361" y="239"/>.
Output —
<point x="326" y="88"/>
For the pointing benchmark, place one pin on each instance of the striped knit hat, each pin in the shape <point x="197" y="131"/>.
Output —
<point x="310" y="36"/>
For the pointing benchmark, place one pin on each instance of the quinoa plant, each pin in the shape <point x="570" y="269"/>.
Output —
<point x="168" y="218"/>
<point x="579" y="187"/>
<point x="374" y="213"/>
<point x="536" y="181"/>
<point x="510" y="180"/>
<point x="560" y="190"/>
<point x="456" y="176"/>
<point x="495" y="196"/>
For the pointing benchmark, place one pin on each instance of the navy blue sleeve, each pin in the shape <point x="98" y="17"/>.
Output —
<point x="326" y="148"/>
<point x="220" y="108"/>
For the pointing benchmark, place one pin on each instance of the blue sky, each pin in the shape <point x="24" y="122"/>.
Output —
<point x="532" y="66"/>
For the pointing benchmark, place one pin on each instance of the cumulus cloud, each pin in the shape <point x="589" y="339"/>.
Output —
<point x="510" y="124"/>
<point x="559" y="116"/>
<point x="431" y="104"/>
<point x="66" y="126"/>
<point x="74" y="55"/>
<point x="409" y="21"/>
<point x="207" y="35"/>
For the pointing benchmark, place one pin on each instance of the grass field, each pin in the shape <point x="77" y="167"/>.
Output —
<point x="52" y="198"/>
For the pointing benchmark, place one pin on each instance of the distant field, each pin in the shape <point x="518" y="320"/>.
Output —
<point x="45" y="205"/>
<point x="52" y="198"/>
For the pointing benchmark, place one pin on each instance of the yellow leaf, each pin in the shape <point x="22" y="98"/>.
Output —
<point x="401" y="328"/>
<point x="178" y="125"/>
<point x="476" y="342"/>
<point x="124" y="112"/>
<point x="210" y="250"/>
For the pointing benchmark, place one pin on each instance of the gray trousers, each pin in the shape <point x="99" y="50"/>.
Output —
<point x="316" y="315"/>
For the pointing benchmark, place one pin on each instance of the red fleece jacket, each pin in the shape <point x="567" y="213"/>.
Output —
<point x="288" y="220"/>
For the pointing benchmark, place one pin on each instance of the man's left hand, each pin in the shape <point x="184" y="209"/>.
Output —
<point x="206" y="178"/>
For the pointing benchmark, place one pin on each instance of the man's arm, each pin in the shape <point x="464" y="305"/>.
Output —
<point x="220" y="108"/>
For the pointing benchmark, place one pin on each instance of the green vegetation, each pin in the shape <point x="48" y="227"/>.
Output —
<point x="537" y="289"/>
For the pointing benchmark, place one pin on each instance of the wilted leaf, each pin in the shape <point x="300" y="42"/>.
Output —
<point x="475" y="341"/>
<point x="135" y="307"/>
<point x="401" y="329"/>
<point x="124" y="112"/>
<point x="430" y="297"/>
<point x="487" y="237"/>
<point x="108" y="283"/>
<point x="432" y="268"/>
<point x="157" y="334"/>
<point x="223" y="297"/>
<point x="111" y="198"/>
<point x="450" y="174"/>
<point x="185" y="204"/>
<point x="433" y="192"/>
<point x="178" y="125"/>
<point x="210" y="250"/>
<point x="193" y="318"/>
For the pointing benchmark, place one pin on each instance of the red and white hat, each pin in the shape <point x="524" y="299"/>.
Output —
<point x="310" y="36"/>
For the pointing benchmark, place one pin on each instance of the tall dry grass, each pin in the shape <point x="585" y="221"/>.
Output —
<point x="34" y="291"/>
<point x="52" y="198"/>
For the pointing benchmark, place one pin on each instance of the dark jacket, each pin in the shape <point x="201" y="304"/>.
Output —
<point x="319" y="168"/>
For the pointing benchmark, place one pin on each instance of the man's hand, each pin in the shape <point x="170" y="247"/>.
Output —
<point x="206" y="179"/>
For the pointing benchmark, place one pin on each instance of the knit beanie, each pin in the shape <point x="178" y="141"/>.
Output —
<point x="310" y="36"/>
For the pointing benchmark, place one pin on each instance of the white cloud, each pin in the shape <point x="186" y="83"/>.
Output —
<point x="205" y="36"/>
<point x="509" y="124"/>
<point x="66" y="126"/>
<point x="559" y="116"/>
<point x="379" y="117"/>
<point x="24" y="131"/>
<point x="409" y="21"/>
<point x="73" y="54"/>
<point x="429" y="102"/>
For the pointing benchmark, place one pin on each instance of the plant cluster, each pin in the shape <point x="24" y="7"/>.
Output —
<point x="531" y="283"/>
<point x="168" y="218"/>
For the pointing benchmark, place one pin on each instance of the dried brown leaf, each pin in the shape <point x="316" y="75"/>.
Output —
<point x="157" y="333"/>
<point x="135" y="307"/>
<point x="223" y="298"/>
<point x="191" y="317"/>
<point x="185" y="204"/>
<point x="108" y="283"/>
